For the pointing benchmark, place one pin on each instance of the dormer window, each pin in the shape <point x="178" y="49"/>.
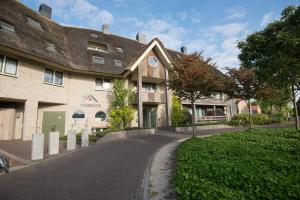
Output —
<point x="51" y="47"/>
<point x="97" y="47"/>
<point x="34" y="23"/>
<point x="93" y="35"/>
<point x="6" y="26"/>
<point x="98" y="60"/>
<point x="118" y="63"/>
<point x="119" y="50"/>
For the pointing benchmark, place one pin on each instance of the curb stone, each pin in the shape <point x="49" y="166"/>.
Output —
<point x="158" y="175"/>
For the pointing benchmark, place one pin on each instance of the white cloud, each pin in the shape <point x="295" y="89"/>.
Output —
<point x="121" y="3"/>
<point x="231" y="29"/>
<point x="235" y="13"/>
<point x="267" y="18"/>
<point x="132" y="20"/>
<point x="84" y="13"/>
<point x="170" y="34"/>
<point x="190" y="15"/>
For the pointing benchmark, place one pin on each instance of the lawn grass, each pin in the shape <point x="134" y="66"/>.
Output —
<point x="253" y="164"/>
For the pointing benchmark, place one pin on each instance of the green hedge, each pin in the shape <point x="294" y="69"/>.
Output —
<point x="254" y="164"/>
<point x="257" y="119"/>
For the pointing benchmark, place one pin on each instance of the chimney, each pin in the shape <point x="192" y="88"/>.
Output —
<point x="141" y="37"/>
<point x="183" y="50"/>
<point x="45" y="10"/>
<point x="105" y="28"/>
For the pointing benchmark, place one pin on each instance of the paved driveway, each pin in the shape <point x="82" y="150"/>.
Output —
<point x="105" y="171"/>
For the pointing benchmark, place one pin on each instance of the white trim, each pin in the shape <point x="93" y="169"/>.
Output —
<point x="140" y="59"/>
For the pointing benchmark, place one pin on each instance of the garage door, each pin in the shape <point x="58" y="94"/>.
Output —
<point x="7" y="122"/>
<point x="53" y="121"/>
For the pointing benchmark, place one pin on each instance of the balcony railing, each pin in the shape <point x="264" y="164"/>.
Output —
<point x="151" y="97"/>
<point x="210" y="118"/>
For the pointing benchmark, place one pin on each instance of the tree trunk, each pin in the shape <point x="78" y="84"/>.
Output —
<point x="295" y="108"/>
<point x="193" y="118"/>
<point x="271" y="112"/>
<point x="250" y="120"/>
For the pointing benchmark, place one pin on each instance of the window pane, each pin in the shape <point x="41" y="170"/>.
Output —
<point x="48" y="76"/>
<point x="107" y="84"/>
<point x="7" y="27"/>
<point x="78" y="115"/>
<point x="58" y="78"/>
<point x="11" y="66"/>
<point x="100" y="116"/>
<point x="1" y="62"/>
<point x="99" y="84"/>
<point x="98" y="60"/>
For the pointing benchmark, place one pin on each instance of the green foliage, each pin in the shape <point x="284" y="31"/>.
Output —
<point x="179" y="116"/>
<point x="121" y="113"/>
<point x="257" y="119"/>
<point x="254" y="164"/>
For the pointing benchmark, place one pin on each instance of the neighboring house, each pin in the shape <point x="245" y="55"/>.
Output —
<point x="54" y="78"/>
<point x="217" y="107"/>
<point x="242" y="107"/>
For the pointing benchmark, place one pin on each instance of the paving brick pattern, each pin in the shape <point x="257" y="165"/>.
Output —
<point x="106" y="171"/>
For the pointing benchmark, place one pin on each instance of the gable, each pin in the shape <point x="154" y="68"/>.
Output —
<point x="153" y="49"/>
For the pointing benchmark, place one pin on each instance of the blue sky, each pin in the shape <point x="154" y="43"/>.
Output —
<point x="212" y="26"/>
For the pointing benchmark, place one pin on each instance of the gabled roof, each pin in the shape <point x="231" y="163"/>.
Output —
<point x="70" y="42"/>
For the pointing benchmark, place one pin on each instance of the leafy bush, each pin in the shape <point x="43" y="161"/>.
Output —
<point x="179" y="116"/>
<point x="257" y="119"/>
<point x="121" y="112"/>
<point x="254" y="164"/>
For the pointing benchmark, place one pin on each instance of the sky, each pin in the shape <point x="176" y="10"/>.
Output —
<point x="211" y="26"/>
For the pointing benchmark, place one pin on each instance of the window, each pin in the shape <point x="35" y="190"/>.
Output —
<point x="34" y="23"/>
<point x="103" y="84"/>
<point x="1" y="62"/>
<point x="152" y="61"/>
<point x="100" y="116"/>
<point x="94" y="35"/>
<point x="118" y="63"/>
<point x="78" y="116"/>
<point x="53" y="77"/>
<point x="8" y="65"/>
<point x="149" y="87"/>
<point x="98" y="47"/>
<point x="119" y="50"/>
<point x="98" y="60"/>
<point x="51" y="47"/>
<point x="6" y="26"/>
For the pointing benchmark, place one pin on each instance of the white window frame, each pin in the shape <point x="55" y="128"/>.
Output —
<point x="34" y="23"/>
<point x="54" y="72"/>
<point x="118" y="63"/>
<point x="3" y="66"/>
<point x="7" y="26"/>
<point x="95" y="48"/>
<point x="120" y="50"/>
<point x="103" y="88"/>
<point x="98" y="57"/>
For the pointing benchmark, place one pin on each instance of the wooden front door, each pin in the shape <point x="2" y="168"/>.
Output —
<point x="7" y="122"/>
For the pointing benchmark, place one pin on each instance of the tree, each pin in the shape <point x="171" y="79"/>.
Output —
<point x="179" y="116"/>
<point x="246" y="85"/>
<point x="274" y="53"/>
<point x="121" y="113"/>
<point x="191" y="77"/>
